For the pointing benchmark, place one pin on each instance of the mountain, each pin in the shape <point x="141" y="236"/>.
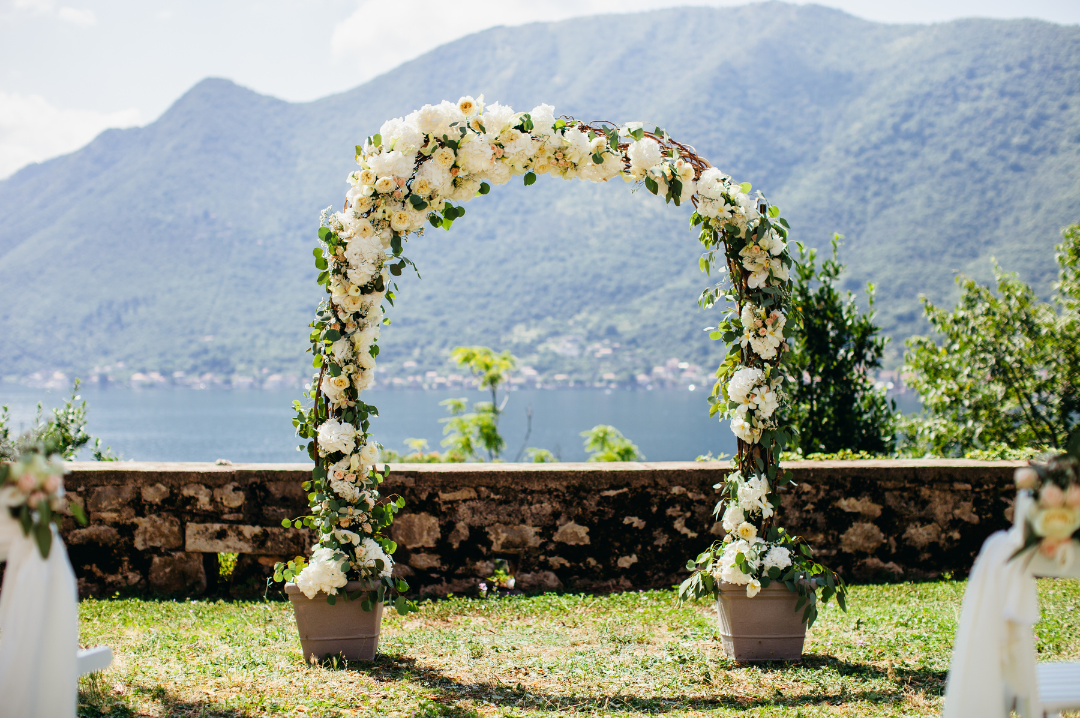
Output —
<point x="186" y="245"/>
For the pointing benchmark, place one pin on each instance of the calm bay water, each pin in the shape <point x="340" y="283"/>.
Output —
<point x="255" y="426"/>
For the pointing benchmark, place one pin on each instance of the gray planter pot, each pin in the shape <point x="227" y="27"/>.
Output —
<point x="343" y="628"/>
<point x="763" y="628"/>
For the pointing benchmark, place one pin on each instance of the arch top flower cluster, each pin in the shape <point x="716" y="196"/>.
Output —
<point x="416" y="172"/>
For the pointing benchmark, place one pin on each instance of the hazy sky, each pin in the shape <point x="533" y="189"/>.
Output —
<point x="71" y="68"/>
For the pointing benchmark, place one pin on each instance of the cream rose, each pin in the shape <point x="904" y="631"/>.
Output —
<point x="1060" y="522"/>
<point x="385" y="184"/>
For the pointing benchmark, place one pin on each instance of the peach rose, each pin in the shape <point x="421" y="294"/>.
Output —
<point x="1051" y="496"/>
<point x="1072" y="496"/>
<point x="1026" y="478"/>
<point x="27" y="483"/>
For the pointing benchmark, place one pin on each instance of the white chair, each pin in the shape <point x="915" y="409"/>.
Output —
<point x="994" y="669"/>
<point x="92" y="660"/>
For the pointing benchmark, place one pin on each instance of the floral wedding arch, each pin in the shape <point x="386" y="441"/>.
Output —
<point x="417" y="172"/>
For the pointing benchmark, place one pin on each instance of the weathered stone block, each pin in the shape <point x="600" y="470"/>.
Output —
<point x="425" y="561"/>
<point x="159" y="530"/>
<point x="538" y="581"/>
<point x="111" y="503"/>
<point x="572" y="534"/>
<point x="96" y="534"/>
<point x="511" y="539"/>
<point x="460" y="495"/>
<point x="229" y="496"/>
<point x="178" y="573"/>
<point x="415" y="530"/>
<point x="862" y="538"/>
<point x="200" y="493"/>
<point x="258" y="540"/>
<point x="155" y="494"/>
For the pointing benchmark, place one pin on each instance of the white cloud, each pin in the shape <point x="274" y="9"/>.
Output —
<point x="32" y="130"/>
<point x="78" y="17"/>
<point x="378" y="36"/>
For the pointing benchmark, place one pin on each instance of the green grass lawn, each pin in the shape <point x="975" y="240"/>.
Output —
<point x="619" y="654"/>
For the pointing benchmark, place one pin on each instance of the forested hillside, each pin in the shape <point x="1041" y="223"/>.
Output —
<point x="186" y="245"/>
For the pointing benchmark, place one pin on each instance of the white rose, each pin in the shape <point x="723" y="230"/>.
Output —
<point x="383" y="185"/>
<point x="444" y="157"/>
<point x="399" y="220"/>
<point x="746" y="531"/>
<point x="467" y="106"/>
<point x="368" y="176"/>
<point x="370" y="453"/>
<point x="369" y="553"/>
<point x="465" y="190"/>
<point x="336" y="436"/>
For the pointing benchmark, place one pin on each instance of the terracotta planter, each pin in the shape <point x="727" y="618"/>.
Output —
<point x="763" y="628"/>
<point x="343" y="628"/>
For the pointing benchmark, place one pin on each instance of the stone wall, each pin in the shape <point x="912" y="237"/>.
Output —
<point x="159" y="527"/>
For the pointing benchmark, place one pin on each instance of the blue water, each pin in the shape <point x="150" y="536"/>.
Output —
<point x="255" y="426"/>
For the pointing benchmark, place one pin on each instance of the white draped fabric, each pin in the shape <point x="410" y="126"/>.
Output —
<point x="39" y="627"/>
<point x="993" y="666"/>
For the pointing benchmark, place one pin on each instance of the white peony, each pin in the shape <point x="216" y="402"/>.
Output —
<point x="543" y="117"/>
<point x="742" y="383"/>
<point x="777" y="557"/>
<point x="465" y="189"/>
<point x="644" y="154"/>
<point x="370" y="552"/>
<point x="712" y="184"/>
<point x="436" y="176"/>
<point x="402" y="136"/>
<point x="342" y="350"/>
<point x="322" y="574"/>
<point x="336" y="436"/>
<point x="499" y="174"/>
<point x="474" y="155"/>
<point x="392" y="164"/>
<point x="733" y="516"/>
<point x="496" y="118"/>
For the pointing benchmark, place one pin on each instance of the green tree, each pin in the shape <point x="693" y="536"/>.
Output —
<point x="1005" y="370"/>
<point x="64" y="432"/>
<point x="606" y="443"/>
<point x="469" y="433"/>
<point x="834" y="402"/>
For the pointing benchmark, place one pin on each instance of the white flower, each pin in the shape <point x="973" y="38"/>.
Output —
<point x="465" y="189"/>
<point x="364" y="253"/>
<point x="499" y="174"/>
<point x="392" y="164"/>
<point x="322" y="574"/>
<point x="746" y="531"/>
<point x="742" y="383"/>
<point x="777" y="557"/>
<point x="345" y="536"/>
<point x="474" y="155"/>
<point x="543" y="117"/>
<point x="468" y="106"/>
<point x="712" y="183"/>
<point x="336" y="436"/>
<point x="402" y="136"/>
<point x="733" y="516"/>
<point x="644" y="154"/>
<point x="368" y="176"/>
<point x="496" y="118"/>
<point x="444" y="157"/>
<point x="399" y="220"/>
<point x="385" y="184"/>
<point x="363" y="339"/>
<point x="345" y="490"/>
<point x="742" y="428"/>
<point x="753" y="496"/>
<point x="369" y="553"/>
<point x="369" y="455"/>
<point x="333" y="387"/>
<point x="430" y="120"/>
<point x="436" y="176"/>
<point x="753" y="588"/>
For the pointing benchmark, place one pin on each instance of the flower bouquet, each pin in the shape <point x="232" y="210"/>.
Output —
<point x="1051" y="509"/>
<point x="32" y="492"/>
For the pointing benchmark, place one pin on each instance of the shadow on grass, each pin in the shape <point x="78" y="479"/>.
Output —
<point x="97" y="700"/>
<point x="450" y="690"/>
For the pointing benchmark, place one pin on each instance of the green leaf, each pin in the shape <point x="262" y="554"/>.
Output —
<point x="745" y="187"/>
<point x="331" y="335"/>
<point x="484" y="188"/>
<point x="43" y="537"/>
<point x="650" y="184"/>
<point x="324" y="232"/>
<point x="286" y="523"/>
<point x="376" y="140"/>
<point x="530" y="177"/>
<point x="774" y="211"/>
